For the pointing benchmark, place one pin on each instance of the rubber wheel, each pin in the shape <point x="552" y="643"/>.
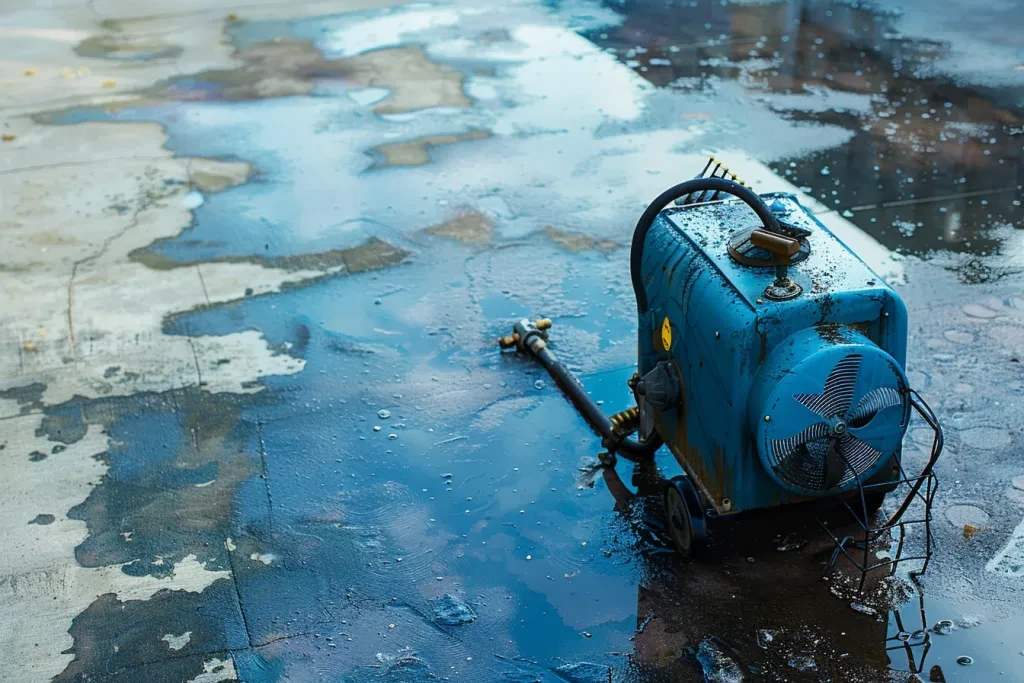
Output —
<point x="684" y="517"/>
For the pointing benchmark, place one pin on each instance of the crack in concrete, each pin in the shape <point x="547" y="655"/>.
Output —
<point x="134" y="222"/>
<point x="264" y="474"/>
<point x="90" y="162"/>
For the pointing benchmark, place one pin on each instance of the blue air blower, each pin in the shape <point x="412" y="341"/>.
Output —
<point x="770" y="361"/>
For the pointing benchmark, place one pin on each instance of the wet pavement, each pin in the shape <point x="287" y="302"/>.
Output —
<point x="253" y="422"/>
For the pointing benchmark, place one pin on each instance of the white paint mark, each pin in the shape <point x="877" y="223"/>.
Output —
<point x="217" y="670"/>
<point x="1010" y="560"/>
<point x="229" y="545"/>
<point x="205" y="484"/>
<point x="265" y="558"/>
<point x="127" y="536"/>
<point x="177" y="642"/>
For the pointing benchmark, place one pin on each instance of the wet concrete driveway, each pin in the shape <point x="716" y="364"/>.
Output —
<point x="253" y="422"/>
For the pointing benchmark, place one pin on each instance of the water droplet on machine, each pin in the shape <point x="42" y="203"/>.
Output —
<point x="383" y="413"/>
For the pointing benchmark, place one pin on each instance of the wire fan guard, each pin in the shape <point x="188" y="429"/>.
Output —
<point x="821" y="437"/>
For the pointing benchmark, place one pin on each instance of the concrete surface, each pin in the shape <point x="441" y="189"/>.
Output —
<point x="233" y="234"/>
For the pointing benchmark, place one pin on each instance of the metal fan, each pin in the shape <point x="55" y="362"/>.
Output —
<point x="848" y="437"/>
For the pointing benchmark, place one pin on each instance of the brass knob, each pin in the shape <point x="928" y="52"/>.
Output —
<point x="508" y="341"/>
<point x="543" y="324"/>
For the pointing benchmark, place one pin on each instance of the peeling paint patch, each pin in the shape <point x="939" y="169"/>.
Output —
<point x="415" y="81"/>
<point x="575" y="242"/>
<point x="469" y="227"/>
<point x="177" y="642"/>
<point x="43" y="520"/>
<point x="416" y="152"/>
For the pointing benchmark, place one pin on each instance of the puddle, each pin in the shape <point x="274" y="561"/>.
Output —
<point x="415" y="504"/>
<point x="933" y="160"/>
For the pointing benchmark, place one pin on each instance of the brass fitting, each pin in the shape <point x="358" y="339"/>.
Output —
<point x="511" y="340"/>
<point x="625" y="422"/>
<point x="508" y="341"/>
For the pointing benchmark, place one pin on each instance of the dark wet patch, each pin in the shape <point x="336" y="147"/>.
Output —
<point x="468" y="226"/>
<point x="416" y="152"/>
<point x="111" y="371"/>
<point x="278" y="68"/>
<point x="28" y="396"/>
<point x="36" y="456"/>
<point x="371" y="255"/>
<point x="175" y="463"/>
<point x="63" y="423"/>
<point x="124" y="639"/>
<point x="42" y="519"/>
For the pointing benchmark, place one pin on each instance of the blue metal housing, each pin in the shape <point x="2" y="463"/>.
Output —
<point x="733" y="346"/>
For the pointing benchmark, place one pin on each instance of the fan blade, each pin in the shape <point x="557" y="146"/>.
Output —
<point x="857" y="455"/>
<point x="835" y="464"/>
<point x="872" y="403"/>
<point x="883" y="431"/>
<point x="837" y="395"/>
<point x="783" y="448"/>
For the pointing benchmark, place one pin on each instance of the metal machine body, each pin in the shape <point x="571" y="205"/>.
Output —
<point x="770" y="362"/>
<point x="731" y="345"/>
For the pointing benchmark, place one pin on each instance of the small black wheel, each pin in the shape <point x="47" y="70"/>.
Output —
<point x="684" y="514"/>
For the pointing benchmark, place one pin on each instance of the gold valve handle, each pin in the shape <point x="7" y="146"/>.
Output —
<point x="775" y="243"/>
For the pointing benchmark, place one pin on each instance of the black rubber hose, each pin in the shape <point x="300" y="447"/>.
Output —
<point x="628" y="448"/>
<point x="636" y="253"/>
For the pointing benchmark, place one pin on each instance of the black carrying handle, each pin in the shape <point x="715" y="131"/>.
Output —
<point x="636" y="254"/>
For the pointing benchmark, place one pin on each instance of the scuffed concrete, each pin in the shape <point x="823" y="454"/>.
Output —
<point x="83" y="318"/>
<point x="42" y="586"/>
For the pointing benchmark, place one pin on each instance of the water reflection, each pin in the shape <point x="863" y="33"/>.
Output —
<point x="931" y="163"/>
<point x="756" y="603"/>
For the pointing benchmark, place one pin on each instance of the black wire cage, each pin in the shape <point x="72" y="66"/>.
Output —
<point x="899" y="545"/>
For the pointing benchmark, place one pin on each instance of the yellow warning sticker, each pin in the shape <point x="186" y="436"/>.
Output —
<point x="666" y="334"/>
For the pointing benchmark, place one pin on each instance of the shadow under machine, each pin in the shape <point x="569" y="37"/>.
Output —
<point x="770" y="363"/>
